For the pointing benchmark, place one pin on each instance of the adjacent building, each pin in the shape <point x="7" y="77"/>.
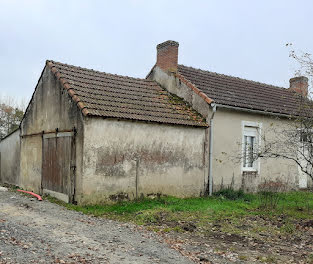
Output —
<point x="89" y="136"/>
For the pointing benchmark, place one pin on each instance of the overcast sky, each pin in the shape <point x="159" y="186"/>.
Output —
<point x="240" y="38"/>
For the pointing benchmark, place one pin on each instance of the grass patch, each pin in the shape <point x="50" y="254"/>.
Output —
<point x="231" y="194"/>
<point x="297" y="205"/>
<point x="228" y="218"/>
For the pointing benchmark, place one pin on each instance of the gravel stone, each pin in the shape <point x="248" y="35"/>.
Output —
<point x="43" y="232"/>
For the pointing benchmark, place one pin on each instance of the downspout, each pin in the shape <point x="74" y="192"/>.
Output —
<point x="211" y="150"/>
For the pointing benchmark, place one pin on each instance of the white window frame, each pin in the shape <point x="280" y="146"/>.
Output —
<point x="303" y="178"/>
<point x="258" y="126"/>
<point x="302" y="142"/>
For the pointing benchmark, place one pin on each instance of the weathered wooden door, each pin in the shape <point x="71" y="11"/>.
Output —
<point x="58" y="165"/>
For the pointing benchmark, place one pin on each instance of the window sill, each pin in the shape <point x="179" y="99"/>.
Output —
<point x="249" y="170"/>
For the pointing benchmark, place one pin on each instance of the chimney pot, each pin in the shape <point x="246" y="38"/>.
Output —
<point x="299" y="85"/>
<point x="167" y="55"/>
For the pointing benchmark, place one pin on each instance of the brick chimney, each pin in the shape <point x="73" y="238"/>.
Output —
<point x="167" y="55"/>
<point x="299" y="85"/>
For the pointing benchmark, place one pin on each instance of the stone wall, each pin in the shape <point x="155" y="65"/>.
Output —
<point x="51" y="108"/>
<point x="10" y="158"/>
<point x="125" y="159"/>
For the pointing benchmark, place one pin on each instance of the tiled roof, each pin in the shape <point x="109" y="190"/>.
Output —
<point x="108" y="95"/>
<point x="237" y="92"/>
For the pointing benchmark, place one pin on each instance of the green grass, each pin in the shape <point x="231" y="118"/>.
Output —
<point x="209" y="206"/>
<point x="227" y="213"/>
<point x="294" y="205"/>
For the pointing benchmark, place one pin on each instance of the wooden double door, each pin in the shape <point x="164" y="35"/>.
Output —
<point x="58" y="165"/>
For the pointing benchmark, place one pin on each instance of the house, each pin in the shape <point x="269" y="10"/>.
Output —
<point x="239" y="112"/>
<point x="89" y="136"/>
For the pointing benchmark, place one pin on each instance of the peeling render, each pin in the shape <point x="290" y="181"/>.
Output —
<point x="227" y="139"/>
<point x="138" y="158"/>
<point x="51" y="109"/>
<point x="108" y="159"/>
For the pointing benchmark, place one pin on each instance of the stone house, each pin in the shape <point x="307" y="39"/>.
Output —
<point x="89" y="136"/>
<point x="239" y="111"/>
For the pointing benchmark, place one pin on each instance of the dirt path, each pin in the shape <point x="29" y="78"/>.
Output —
<point x="42" y="232"/>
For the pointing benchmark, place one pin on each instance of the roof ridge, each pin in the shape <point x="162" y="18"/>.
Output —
<point x="92" y="70"/>
<point x="194" y="88"/>
<point x="242" y="93"/>
<point x="67" y="87"/>
<point x="234" y="77"/>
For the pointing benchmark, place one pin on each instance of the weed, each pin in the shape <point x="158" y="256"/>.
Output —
<point x="288" y="228"/>
<point x="231" y="194"/>
<point x="269" y="194"/>
<point x="229" y="215"/>
<point x="310" y="259"/>
<point x="153" y="216"/>
<point x="209" y="214"/>
<point x="267" y="259"/>
<point x="268" y="199"/>
<point x="243" y="258"/>
<point x="271" y="259"/>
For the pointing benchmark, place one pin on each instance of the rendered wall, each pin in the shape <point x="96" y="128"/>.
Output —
<point x="123" y="158"/>
<point x="10" y="158"/>
<point x="175" y="86"/>
<point x="228" y="139"/>
<point x="51" y="107"/>
<point x="227" y="149"/>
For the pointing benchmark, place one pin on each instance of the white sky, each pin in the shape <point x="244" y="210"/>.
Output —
<point x="243" y="38"/>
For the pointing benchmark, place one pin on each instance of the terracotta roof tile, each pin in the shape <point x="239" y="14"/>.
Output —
<point x="108" y="95"/>
<point x="237" y="92"/>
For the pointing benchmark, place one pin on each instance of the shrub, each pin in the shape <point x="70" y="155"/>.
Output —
<point x="269" y="194"/>
<point x="268" y="199"/>
<point x="231" y="194"/>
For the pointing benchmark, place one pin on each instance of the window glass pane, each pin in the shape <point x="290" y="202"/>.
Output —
<point x="245" y="151"/>
<point x="251" y="149"/>
<point x="248" y="151"/>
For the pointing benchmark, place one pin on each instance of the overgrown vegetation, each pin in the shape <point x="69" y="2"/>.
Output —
<point x="231" y="222"/>
<point x="231" y="194"/>
<point x="224" y="204"/>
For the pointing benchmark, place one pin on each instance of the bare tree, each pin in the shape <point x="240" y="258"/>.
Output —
<point x="295" y="140"/>
<point x="304" y="63"/>
<point x="11" y="114"/>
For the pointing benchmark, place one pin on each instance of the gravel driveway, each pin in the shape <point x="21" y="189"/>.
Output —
<point x="42" y="232"/>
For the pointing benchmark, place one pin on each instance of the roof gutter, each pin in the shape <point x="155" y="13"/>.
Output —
<point x="214" y="106"/>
